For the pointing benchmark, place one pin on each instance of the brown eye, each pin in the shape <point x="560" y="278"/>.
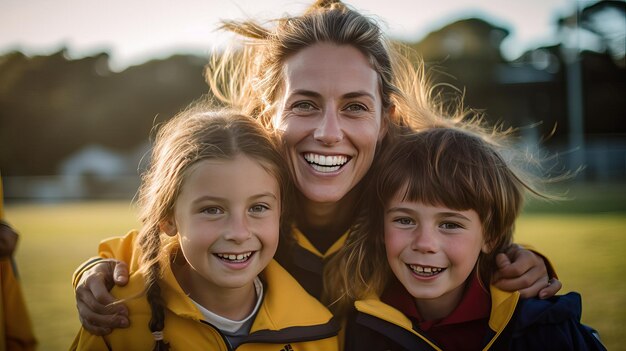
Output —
<point x="404" y="221"/>
<point x="450" y="226"/>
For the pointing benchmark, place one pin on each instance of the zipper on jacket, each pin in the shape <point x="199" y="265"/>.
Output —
<point x="229" y="347"/>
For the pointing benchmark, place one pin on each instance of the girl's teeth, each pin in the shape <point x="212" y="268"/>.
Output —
<point x="233" y="257"/>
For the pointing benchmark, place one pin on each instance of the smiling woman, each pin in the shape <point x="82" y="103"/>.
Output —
<point x="331" y="112"/>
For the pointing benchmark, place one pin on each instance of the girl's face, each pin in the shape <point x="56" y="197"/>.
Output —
<point x="227" y="219"/>
<point x="432" y="250"/>
<point x="331" y="118"/>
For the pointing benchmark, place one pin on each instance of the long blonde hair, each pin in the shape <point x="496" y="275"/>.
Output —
<point x="251" y="77"/>
<point x="198" y="133"/>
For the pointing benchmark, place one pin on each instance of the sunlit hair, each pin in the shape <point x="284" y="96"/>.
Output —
<point x="196" y="134"/>
<point x="251" y="77"/>
<point x="442" y="166"/>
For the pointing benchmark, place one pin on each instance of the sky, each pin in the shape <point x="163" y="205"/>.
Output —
<point x="134" y="31"/>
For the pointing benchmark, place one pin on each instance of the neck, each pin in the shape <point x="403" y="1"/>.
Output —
<point x="442" y="306"/>
<point x="232" y="303"/>
<point x="325" y="222"/>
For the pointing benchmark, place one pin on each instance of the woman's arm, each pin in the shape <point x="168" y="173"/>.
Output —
<point x="94" y="279"/>
<point x="524" y="270"/>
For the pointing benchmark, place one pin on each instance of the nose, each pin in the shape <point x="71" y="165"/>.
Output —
<point x="424" y="240"/>
<point x="238" y="229"/>
<point x="329" y="130"/>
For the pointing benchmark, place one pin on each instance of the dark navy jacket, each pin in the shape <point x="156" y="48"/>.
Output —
<point x="514" y="324"/>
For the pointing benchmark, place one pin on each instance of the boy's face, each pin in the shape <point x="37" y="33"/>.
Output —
<point x="432" y="250"/>
<point x="227" y="219"/>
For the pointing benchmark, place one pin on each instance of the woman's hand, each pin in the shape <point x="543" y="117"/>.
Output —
<point x="521" y="269"/>
<point x="97" y="310"/>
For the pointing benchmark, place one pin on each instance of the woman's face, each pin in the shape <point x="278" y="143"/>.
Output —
<point x="331" y="119"/>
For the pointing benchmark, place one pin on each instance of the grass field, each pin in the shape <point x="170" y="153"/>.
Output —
<point x="587" y="250"/>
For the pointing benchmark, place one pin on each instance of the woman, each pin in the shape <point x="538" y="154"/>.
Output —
<point x="336" y="90"/>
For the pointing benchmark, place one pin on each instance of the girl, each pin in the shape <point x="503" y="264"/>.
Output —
<point x="336" y="90"/>
<point x="210" y="205"/>
<point x="419" y="263"/>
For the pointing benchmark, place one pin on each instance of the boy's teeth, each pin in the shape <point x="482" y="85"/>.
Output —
<point x="422" y="270"/>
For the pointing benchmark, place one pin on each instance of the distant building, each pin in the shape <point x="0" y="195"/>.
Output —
<point x="569" y="101"/>
<point x="92" y="172"/>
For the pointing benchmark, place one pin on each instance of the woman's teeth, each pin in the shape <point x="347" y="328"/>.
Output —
<point x="235" y="257"/>
<point x="322" y="163"/>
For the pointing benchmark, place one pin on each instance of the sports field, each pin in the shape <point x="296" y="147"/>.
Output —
<point x="586" y="242"/>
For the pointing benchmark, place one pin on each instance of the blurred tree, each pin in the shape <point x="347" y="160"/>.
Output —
<point x="51" y="106"/>
<point x="532" y="88"/>
<point x="607" y="19"/>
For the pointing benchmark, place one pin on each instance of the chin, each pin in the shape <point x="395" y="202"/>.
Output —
<point x="324" y="195"/>
<point x="238" y="283"/>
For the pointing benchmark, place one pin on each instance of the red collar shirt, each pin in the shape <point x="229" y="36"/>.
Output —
<point x="463" y="329"/>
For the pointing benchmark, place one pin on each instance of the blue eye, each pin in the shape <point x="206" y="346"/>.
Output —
<point x="212" y="210"/>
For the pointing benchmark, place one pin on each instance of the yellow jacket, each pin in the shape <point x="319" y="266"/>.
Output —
<point x="302" y="260"/>
<point x="16" y="329"/>
<point x="288" y="319"/>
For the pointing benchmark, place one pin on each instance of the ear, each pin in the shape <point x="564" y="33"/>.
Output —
<point x="168" y="227"/>
<point x="486" y="248"/>
<point x="385" y="120"/>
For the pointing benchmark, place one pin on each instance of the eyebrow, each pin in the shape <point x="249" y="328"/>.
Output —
<point x="216" y="198"/>
<point x="452" y="214"/>
<point x="350" y="95"/>
<point x="439" y="214"/>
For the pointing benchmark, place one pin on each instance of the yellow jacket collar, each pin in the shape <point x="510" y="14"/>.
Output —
<point x="275" y="314"/>
<point x="305" y="243"/>
<point x="503" y="304"/>
<point x="374" y="307"/>
<point x="172" y="292"/>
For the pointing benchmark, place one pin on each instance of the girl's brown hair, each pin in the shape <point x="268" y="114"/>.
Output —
<point x="198" y="133"/>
